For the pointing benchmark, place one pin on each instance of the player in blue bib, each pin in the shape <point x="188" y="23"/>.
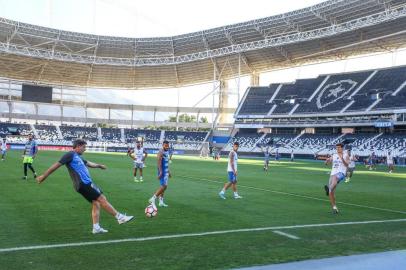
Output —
<point x="163" y="174"/>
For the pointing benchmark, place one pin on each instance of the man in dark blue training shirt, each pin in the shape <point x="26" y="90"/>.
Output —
<point x="82" y="182"/>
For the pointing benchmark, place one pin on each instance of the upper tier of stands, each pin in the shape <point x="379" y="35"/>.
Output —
<point x="337" y="93"/>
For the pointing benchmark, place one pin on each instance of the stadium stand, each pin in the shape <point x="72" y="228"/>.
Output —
<point x="384" y="83"/>
<point x="295" y="93"/>
<point x="257" y="100"/>
<point x="18" y="129"/>
<point x="111" y="135"/>
<point x="47" y="134"/>
<point x="70" y="133"/>
<point x="350" y="92"/>
<point x="334" y="94"/>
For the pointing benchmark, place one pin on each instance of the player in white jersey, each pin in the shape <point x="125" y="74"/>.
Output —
<point x="232" y="173"/>
<point x="3" y="148"/>
<point x="340" y="161"/>
<point x="389" y="162"/>
<point x="267" y="156"/>
<point x="351" y="166"/>
<point x="138" y="155"/>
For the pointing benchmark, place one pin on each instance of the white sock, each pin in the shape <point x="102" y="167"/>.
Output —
<point x="141" y="177"/>
<point x="119" y="215"/>
<point x="161" y="199"/>
<point x="335" y="207"/>
<point x="236" y="193"/>
<point x="222" y="191"/>
<point x="153" y="198"/>
<point x="96" y="226"/>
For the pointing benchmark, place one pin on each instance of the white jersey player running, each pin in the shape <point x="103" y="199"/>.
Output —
<point x="389" y="162"/>
<point x="139" y="155"/>
<point x="351" y="166"/>
<point x="3" y="148"/>
<point x="340" y="161"/>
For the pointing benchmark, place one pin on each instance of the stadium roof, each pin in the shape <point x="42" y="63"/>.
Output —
<point x="333" y="29"/>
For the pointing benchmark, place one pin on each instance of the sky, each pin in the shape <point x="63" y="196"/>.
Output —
<point x="135" y="18"/>
<point x="141" y="18"/>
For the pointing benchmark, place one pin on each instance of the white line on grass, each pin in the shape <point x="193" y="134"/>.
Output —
<point x="291" y="236"/>
<point x="298" y="195"/>
<point x="174" y="236"/>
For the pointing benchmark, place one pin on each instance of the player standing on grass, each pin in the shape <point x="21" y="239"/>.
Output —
<point x="351" y="166"/>
<point x="340" y="161"/>
<point x="232" y="173"/>
<point x="84" y="185"/>
<point x="266" y="158"/>
<point x="30" y="151"/>
<point x="3" y="148"/>
<point x="139" y="155"/>
<point x="163" y="174"/>
<point x="372" y="161"/>
<point x="389" y="161"/>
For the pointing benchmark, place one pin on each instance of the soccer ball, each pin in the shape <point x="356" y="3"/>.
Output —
<point x="151" y="211"/>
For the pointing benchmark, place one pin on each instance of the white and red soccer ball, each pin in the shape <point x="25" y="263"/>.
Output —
<point x="151" y="211"/>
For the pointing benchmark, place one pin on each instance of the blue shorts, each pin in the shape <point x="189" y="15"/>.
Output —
<point x="3" y="152"/>
<point x="340" y="177"/>
<point x="163" y="181"/>
<point x="232" y="178"/>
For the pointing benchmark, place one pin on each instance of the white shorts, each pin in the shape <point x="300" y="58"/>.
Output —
<point x="138" y="165"/>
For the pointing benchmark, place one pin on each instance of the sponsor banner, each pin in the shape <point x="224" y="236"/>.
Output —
<point x="221" y="139"/>
<point x="16" y="146"/>
<point x="117" y="149"/>
<point x="383" y="124"/>
<point x="90" y="149"/>
<point x="174" y="152"/>
<point x="55" y="147"/>
<point x="249" y="126"/>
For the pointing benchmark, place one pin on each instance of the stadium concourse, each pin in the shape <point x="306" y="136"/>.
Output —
<point x="132" y="103"/>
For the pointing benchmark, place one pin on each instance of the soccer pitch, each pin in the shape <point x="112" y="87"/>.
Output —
<point x="284" y="215"/>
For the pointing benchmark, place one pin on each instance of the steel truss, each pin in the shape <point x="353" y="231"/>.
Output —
<point x="387" y="15"/>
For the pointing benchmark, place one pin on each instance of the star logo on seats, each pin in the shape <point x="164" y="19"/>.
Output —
<point x="333" y="92"/>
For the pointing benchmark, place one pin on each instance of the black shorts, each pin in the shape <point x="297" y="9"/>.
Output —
<point x="91" y="192"/>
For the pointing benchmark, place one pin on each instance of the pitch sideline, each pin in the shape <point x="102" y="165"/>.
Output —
<point x="176" y="236"/>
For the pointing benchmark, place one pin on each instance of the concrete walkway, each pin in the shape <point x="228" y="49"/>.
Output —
<point x="393" y="260"/>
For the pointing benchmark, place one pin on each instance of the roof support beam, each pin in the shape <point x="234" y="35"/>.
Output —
<point x="207" y="47"/>
<point x="175" y="67"/>
<point x="242" y="55"/>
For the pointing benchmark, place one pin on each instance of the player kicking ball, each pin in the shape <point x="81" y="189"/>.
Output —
<point x="84" y="185"/>
<point x="163" y="175"/>
<point x="232" y="173"/>
<point x="340" y="161"/>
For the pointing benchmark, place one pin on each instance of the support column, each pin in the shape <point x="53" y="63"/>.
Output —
<point x="177" y="120"/>
<point x="36" y="113"/>
<point x="197" y="120"/>
<point x="132" y="116"/>
<point x="61" y="108"/>
<point x="85" y="115"/>
<point x="223" y="101"/>
<point x="254" y="79"/>
<point x="10" y="110"/>
<point x="155" y="118"/>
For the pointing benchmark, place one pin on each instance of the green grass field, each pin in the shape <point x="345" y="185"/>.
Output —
<point x="290" y="194"/>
